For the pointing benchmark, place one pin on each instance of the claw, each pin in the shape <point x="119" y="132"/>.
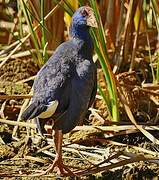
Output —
<point x="63" y="170"/>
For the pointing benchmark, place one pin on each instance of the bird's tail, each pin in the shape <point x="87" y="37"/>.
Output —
<point x="33" y="110"/>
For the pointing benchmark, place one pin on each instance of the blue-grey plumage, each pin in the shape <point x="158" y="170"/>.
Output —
<point x="69" y="77"/>
<point x="65" y="87"/>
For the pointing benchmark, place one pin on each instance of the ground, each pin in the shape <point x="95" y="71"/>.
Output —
<point x="82" y="149"/>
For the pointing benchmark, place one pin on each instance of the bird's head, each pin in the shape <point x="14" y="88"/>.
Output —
<point x="84" y="16"/>
<point x="82" y="19"/>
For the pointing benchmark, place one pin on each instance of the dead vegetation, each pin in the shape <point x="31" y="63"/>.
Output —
<point x="101" y="149"/>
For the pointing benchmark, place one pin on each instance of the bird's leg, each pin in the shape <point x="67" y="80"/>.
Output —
<point x="58" y="161"/>
<point x="38" y="127"/>
<point x="58" y="136"/>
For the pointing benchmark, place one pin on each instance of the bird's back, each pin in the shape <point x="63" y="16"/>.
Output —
<point x="68" y="77"/>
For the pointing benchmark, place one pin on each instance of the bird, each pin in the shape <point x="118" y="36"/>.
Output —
<point x="65" y="87"/>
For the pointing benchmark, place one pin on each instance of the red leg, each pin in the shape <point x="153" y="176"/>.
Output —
<point x="63" y="169"/>
<point x="58" y="136"/>
<point x="58" y="161"/>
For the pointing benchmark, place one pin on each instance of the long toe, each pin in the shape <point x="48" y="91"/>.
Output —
<point x="65" y="170"/>
<point x="49" y="170"/>
<point x="60" y="168"/>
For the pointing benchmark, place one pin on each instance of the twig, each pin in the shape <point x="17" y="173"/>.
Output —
<point x="132" y="119"/>
<point x="37" y="159"/>
<point x="24" y="175"/>
<point x="15" y="123"/>
<point x="78" y="146"/>
<point x="44" y="148"/>
<point x="96" y="115"/>
<point x="83" y="128"/>
<point x="28" y="36"/>
<point x="82" y="152"/>
<point x="113" y="128"/>
<point x="136" y="88"/>
<point x="28" y="96"/>
<point x="1" y="140"/>
<point x="2" y="110"/>
<point x="150" y="86"/>
<point x="26" y="80"/>
<point x="24" y="54"/>
<point x="132" y="64"/>
<point x="136" y="158"/>
<point x="136" y="148"/>
<point x="116" y="155"/>
<point x="53" y="155"/>
<point x="86" y="159"/>
<point x="19" y="116"/>
<point x="9" y="48"/>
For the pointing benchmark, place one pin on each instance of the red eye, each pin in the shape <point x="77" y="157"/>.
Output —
<point x="84" y="13"/>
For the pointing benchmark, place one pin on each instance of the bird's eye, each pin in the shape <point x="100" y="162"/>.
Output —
<point x="84" y="13"/>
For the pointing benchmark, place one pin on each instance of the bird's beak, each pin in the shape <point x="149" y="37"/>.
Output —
<point x="91" y="21"/>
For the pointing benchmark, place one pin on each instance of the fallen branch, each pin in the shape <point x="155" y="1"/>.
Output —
<point x="82" y="128"/>
<point x="28" y="36"/>
<point x="26" y="80"/>
<point x="20" y="113"/>
<point x="140" y="149"/>
<point x="15" y="123"/>
<point x="112" y="128"/>
<point x="36" y="159"/>
<point x="132" y="119"/>
<point x="28" y="96"/>
<point x="95" y="169"/>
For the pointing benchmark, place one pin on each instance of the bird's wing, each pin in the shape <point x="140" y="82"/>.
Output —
<point x="51" y="86"/>
<point x="33" y="110"/>
<point x="81" y="91"/>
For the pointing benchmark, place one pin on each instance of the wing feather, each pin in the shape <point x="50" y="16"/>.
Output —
<point x="52" y="82"/>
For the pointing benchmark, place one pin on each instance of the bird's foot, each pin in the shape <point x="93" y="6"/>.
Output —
<point x="62" y="170"/>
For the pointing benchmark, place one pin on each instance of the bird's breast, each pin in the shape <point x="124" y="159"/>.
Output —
<point x="84" y="69"/>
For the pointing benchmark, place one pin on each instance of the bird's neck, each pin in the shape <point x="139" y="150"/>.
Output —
<point x="82" y="33"/>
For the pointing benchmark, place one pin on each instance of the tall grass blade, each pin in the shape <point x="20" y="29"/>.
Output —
<point x="155" y="4"/>
<point x="157" y="73"/>
<point x="33" y="35"/>
<point x="64" y="7"/>
<point x="137" y="22"/>
<point x="105" y="98"/>
<point x="73" y="5"/>
<point x="155" y="8"/>
<point x="43" y="39"/>
<point x="100" y="28"/>
<point x="101" y="49"/>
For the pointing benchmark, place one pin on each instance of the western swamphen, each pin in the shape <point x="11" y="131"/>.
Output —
<point x="65" y="87"/>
